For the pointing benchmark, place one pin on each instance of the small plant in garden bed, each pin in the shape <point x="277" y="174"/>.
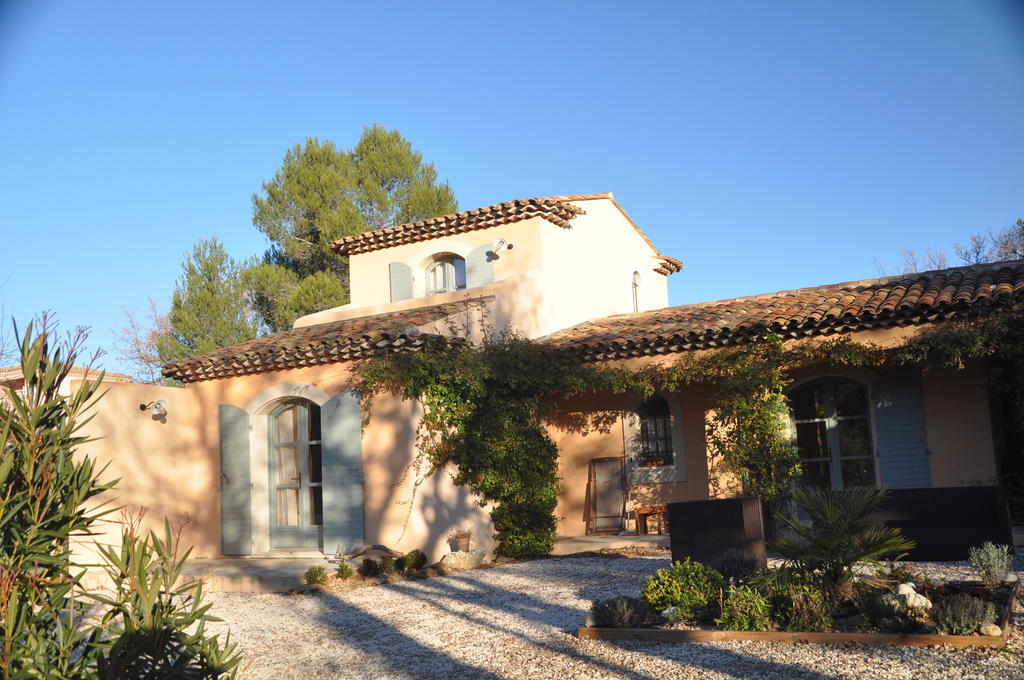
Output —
<point x="744" y="608"/>
<point x="689" y="588"/>
<point x="992" y="562"/>
<point x="962" y="614"/>
<point x="369" y="568"/>
<point x="316" y="576"/>
<point x="345" y="571"/>
<point x="412" y="560"/>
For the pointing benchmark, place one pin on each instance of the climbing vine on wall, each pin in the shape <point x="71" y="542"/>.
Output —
<point x="487" y="407"/>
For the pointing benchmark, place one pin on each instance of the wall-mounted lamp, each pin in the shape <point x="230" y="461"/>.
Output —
<point x="157" y="408"/>
<point x="500" y="245"/>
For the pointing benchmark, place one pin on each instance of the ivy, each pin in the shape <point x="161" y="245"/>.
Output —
<point x="487" y="407"/>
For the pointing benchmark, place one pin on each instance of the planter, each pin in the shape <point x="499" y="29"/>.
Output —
<point x="914" y="640"/>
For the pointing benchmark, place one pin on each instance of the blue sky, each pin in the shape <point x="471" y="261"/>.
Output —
<point x="767" y="145"/>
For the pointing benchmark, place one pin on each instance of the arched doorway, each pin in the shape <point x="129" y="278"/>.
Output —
<point x="296" y="476"/>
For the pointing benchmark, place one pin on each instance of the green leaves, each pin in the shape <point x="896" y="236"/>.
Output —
<point x="153" y="626"/>
<point x="837" y="533"/>
<point x="322" y="193"/>
<point x="209" y="309"/>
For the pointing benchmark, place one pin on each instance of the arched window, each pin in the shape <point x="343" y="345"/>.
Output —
<point x="446" y="274"/>
<point x="655" y="436"/>
<point x="297" y="507"/>
<point x="636" y="291"/>
<point x="833" y="433"/>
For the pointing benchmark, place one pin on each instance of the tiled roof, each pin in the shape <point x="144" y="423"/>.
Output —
<point x="842" y="307"/>
<point x="76" y="372"/>
<point x="556" y="211"/>
<point x="323" y="343"/>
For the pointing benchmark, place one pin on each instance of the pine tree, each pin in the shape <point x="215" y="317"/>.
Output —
<point x="209" y="309"/>
<point x="322" y="193"/>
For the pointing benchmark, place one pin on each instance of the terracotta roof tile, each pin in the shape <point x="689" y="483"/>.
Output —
<point x="76" y="372"/>
<point x="842" y="307"/>
<point x="324" y="343"/>
<point x="555" y="210"/>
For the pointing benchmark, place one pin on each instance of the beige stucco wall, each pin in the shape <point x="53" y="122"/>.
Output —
<point x="551" y="278"/>
<point x="170" y="466"/>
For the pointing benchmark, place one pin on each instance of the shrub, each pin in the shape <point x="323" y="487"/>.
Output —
<point x="369" y="568"/>
<point x="838" y="535"/>
<point x="316" y="576"/>
<point x="414" y="559"/>
<point x="345" y="571"/>
<point x="962" y="614"/>
<point x="387" y="565"/>
<point x="992" y="562"/>
<point x="745" y="609"/>
<point x="689" y="586"/>
<point x="807" y="609"/>
<point x="887" y="612"/>
<point x="623" y="612"/>
<point x="138" y="629"/>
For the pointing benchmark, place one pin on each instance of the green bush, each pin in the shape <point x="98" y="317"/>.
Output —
<point x="690" y="587"/>
<point x="345" y="571"/>
<point x="887" y="612"/>
<point x="369" y="568"/>
<point x="744" y="608"/>
<point x="962" y="614"/>
<point x="623" y="612"/>
<point x="992" y="562"/>
<point x="387" y="565"/>
<point x="138" y="630"/>
<point x="805" y="609"/>
<point x="316" y="576"/>
<point x="412" y="560"/>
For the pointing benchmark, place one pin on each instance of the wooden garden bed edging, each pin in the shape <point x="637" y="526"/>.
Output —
<point x="913" y="640"/>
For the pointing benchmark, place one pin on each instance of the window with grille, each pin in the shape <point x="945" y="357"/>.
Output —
<point x="655" y="444"/>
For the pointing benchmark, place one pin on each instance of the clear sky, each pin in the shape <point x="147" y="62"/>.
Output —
<point x="767" y="145"/>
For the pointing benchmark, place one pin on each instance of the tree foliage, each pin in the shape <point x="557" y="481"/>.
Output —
<point x="209" y="309"/>
<point x="322" y="193"/>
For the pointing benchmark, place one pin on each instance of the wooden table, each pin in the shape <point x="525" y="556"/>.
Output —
<point x="642" y="514"/>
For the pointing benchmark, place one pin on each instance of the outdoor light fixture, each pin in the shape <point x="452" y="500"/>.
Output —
<point x="157" y="408"/>
<point x="500" y="245"/>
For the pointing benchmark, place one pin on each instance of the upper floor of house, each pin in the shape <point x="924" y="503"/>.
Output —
<point x="541" y="264"/>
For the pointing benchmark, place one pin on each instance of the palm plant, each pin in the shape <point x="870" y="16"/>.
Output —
<point x="838" y="534"/>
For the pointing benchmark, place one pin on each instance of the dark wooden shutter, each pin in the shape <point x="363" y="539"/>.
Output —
<point x="342" y="472"/>
<point x="235" y="482"/>
<point x="401" y="281"/>
<point x="479" y="267"/>
<point x="899" y="427"/>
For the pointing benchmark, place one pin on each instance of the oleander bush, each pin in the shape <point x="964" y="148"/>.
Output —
<point x="150" y="626"/>
<point x="744" y="608"/>
<point x="992" y="562"/>
<point x="623" y="612"/>
<point x="315" y="576"/>
<point x="690" y="587"/>
<point x="962" y="614"/>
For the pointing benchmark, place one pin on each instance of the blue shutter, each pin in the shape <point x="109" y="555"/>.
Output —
<point x="401" y="281"/>
<point x="235" y="482"/>
<point x="341" y="424"/>
<point x="479" y="267"/>
<point x="899" y="426"/>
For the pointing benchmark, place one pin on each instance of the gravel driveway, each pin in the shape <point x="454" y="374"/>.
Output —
<point x="515" y="621"/>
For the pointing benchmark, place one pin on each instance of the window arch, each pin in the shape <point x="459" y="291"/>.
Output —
<point x="655" y="433"/>
<point x="636" y="291"/>
<point x="832" y="430"/>
<point x="446" y="274"/>
<point x="296" y="473"/>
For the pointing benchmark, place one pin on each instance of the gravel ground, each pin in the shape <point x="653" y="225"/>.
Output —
<point x="517" y="620"/>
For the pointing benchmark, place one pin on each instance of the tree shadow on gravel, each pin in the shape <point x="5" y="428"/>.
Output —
<point x="385" y="645"/>
<point x="709" y="658"/>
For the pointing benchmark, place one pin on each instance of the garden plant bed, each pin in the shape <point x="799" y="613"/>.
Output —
<point x="826" y="638"/>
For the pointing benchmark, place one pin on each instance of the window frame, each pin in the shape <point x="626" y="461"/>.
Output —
<point x="831" y="420"/>
<point x="303" y="445"/>
<point x="631" y="431"/>
<point x="449" y="265"/>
